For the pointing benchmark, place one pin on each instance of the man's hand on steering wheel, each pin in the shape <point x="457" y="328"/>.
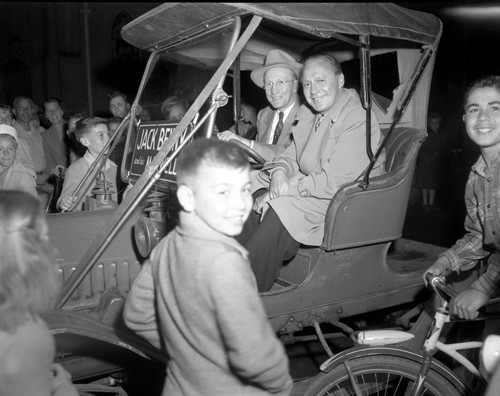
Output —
<point x="228" y="135"/>
<point x="242" y="143"/>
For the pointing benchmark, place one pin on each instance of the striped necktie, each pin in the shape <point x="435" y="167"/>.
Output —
<point x="278" y="129"/>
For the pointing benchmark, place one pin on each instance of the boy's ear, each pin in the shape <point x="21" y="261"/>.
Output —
<point x="463" y="117"/>
<point x="185" y="197"/>
<point x="84" y="141"/>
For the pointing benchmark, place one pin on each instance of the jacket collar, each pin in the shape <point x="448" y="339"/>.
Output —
<point x="191" y="225"/>
<point x="90" y="160"/>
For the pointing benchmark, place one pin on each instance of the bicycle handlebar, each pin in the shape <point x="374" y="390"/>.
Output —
<point x="438" y="285"/>
<point x="445" y="292"/>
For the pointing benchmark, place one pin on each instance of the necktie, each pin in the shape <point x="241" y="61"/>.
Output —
<point x="318" y="121"/>
<point x="279" y="128"/>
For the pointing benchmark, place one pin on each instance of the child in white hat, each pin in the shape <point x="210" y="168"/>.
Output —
<point x="13" y="174"/>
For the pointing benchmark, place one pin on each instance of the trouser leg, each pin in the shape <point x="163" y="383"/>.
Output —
<point x="268" y="247"/>
<point x="251" y="223"/>
<point x="249" y="228"/>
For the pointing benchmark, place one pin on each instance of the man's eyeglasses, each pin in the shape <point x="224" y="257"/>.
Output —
<point x="278" y="84"/>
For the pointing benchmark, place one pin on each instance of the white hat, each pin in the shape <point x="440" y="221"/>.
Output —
<point x="275" y="58"/>
<point x="8" y="130"/>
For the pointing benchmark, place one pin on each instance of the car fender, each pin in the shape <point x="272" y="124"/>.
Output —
<point x="62" y="322"/>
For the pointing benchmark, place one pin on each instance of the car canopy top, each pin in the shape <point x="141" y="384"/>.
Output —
<point x="200" y="34"/>
<point x="293" y="27"/>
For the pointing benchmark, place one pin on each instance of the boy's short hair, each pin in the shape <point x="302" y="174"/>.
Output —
<point x="169" y="103"/>
<point x="6" y="107"/>
<point x="114" y="120"/>
<point x="54" y="99"/>
<point x="116" y="94"/>
<point x="18" y="98"/>
<point x="85" y="125"/>
<point x="209" y="152"/>
<point x="491" y="81"/>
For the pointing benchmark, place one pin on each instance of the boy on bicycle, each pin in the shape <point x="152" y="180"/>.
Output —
<point x="482" y="199"/>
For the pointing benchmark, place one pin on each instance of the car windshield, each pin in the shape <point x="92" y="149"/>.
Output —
<point x="181" y="73"/>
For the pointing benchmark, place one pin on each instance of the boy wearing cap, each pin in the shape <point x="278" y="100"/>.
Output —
<point x="279" y="77"/>
<point x="13" y="174"/>
<point x="23" y="150"/>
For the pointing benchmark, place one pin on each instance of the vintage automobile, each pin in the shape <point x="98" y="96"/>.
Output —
<point x="198" y="52"/>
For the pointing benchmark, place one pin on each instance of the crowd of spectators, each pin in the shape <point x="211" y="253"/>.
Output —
<point x="42" y="143"/>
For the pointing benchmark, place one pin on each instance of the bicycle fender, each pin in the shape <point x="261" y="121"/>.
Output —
<point x="361" y="351"/>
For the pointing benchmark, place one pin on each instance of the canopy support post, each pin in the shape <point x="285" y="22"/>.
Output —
<point x="366" y="90"/>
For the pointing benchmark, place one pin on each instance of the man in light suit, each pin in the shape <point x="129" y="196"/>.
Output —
<point x="279" y="77"/>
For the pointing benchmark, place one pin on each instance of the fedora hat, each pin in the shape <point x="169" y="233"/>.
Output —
<point x="8" y="130"/>
<point x="274" y="58"/>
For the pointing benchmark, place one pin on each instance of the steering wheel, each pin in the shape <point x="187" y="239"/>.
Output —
<point x="251" y="153"/>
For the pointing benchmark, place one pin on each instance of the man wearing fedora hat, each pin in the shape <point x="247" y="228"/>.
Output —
<point x="13" y="174"/>
<point x="279" y="77"/>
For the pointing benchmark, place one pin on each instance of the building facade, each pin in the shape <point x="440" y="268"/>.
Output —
<point x="73" y="51"/>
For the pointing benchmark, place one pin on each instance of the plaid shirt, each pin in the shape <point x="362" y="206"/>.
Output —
<point x="482" y="223"/>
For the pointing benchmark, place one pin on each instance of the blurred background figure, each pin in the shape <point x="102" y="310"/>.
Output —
<point x="55" y="140"/>
<point x="431" y="162"/>
<point x="119" y="104"/>
<point x="118" y="152"/>
<point x="247" y="124"/>
<point x="27" y="287"/>
<point x="173" y="109"/>
<point x="113" y="124"/>
<point x="28" y="128"/>
<point x="76" y="149"/>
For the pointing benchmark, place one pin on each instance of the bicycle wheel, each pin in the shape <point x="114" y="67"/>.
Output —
<point x="379" y="375"/>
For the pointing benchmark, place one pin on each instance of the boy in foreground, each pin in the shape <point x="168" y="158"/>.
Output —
<point x="92" y="133"/>
<point x="482" y="199"/>
<point x="197" y="297"/>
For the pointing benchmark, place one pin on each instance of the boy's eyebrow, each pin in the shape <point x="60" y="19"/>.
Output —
<point x="489" y="103"/>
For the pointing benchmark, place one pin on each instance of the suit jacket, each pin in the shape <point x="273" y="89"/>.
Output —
<point x="318" y="163"/>
<point x="264" y="131"/>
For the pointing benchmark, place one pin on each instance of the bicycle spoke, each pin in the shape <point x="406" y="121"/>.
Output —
<point x="364" y="384"/>
<point x="386" y="384"/>
<point x="380" y="376"/>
